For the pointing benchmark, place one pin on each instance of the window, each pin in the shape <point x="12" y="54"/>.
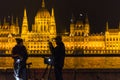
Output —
<point x="110" y="39"/>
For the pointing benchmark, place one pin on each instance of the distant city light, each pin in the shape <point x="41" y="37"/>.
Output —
<point x="8" y="16"/>
<point x="81" y="14"/>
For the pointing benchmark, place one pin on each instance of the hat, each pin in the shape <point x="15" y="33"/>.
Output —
<point x="58" y="38"/>
<point x="18" y="40"/>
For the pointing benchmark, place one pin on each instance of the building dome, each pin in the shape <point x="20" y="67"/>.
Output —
<point x="43" y="13"/>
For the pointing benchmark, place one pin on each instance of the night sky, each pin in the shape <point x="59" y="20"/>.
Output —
<point x="99" y="11"/>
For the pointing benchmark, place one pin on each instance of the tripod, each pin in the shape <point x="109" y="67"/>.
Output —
<point x="47" y="69"/>
<point x="28" y="68"/>
<point x="49" y="61"/>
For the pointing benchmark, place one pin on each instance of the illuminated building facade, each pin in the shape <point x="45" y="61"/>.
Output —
<point x="78" y="41"/>
<point x="36" y="40"/>
<point x="44" y="28"/>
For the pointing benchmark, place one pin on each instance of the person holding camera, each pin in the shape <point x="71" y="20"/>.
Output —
<point x="19" y="54"/>
<point x="58" y="54"/>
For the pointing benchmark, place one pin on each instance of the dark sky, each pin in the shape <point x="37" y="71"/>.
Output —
<point x="99" y="11"/>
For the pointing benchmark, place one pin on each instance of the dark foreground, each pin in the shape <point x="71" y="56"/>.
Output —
<point x="68" y="74"/>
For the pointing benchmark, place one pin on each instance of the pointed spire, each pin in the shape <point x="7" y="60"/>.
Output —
<point x="25" y="23"/>
<point x="119" y="25"/>
<point x="25" y="12"/>
<point x="12" y="21"/>
<point x="43" y="3"/>
<point x="107" y="26"/>
<point x="86" y="19"/>
<point x="4" y="20"/>
<point x="72" y="18"/>
<point x="17" y="21"/>
<point x="52" y="12"/>
<point x="0" y="22"/>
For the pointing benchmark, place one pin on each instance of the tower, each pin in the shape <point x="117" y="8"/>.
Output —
<point x="87" y="26"/>
<point x="79" y="28"/>
<point x="52" y="24"/>
<point x="107" y="26"/>
<point x="12" y="26"/>
<point x="17" y="26"/>
<point x="72" y="25"/>
<point x="24" y="26"/>
<point x="25" y="23"/>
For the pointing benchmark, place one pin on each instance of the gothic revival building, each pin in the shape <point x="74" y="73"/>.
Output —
<point x="43" y="29"/>
<point x="79" y="40"/>
<point x="36" y="40"/>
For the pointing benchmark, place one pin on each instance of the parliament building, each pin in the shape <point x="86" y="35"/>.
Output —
<point x="78" y="40"/>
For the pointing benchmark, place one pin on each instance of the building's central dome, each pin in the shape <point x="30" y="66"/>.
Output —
<point x="43" y="13"/>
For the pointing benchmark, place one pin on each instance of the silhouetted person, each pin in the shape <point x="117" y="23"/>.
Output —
<point x="58" y="53"/>
<point x="19" y="54"/>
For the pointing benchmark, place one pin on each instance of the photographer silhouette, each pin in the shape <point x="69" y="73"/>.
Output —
<point x="49" y="62"/>
<point x="20" y="56"/>
<point x="58" y="56"/>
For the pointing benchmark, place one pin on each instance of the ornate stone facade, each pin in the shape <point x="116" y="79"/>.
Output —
<point x="78" y="41"/>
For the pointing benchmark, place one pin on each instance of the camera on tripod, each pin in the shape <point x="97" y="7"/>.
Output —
<point x="48" y="60"/>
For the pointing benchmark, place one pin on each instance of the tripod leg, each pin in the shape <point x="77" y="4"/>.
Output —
<point x="44" y="72"/>
<point x="28" y="69"/>
<point x="49" y="72"/>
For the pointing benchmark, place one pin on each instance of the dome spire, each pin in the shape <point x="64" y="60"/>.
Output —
<point x="43" y="3"/>
<point x="25" y="13"/>
<point x="107" y="26"/>
<point x="52" y="12"/>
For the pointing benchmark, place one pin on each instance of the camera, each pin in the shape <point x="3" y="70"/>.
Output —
<point x="48" y="60"/>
